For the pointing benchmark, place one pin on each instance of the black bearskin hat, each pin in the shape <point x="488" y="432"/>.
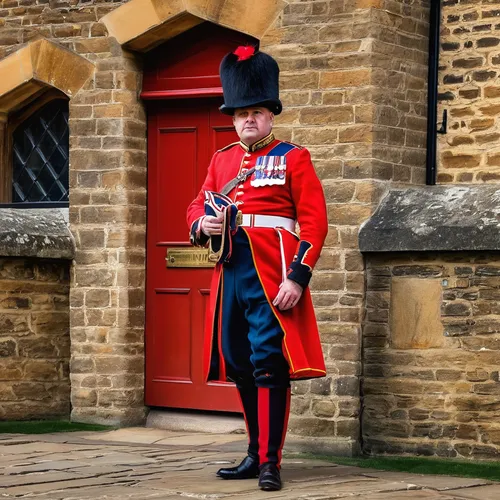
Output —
<point x="249" y="78"/>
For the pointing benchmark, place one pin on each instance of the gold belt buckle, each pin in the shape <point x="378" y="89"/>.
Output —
<point x="239" y="218"/>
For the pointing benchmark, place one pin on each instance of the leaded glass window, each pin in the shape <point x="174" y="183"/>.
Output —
<point x="41" y="156"/>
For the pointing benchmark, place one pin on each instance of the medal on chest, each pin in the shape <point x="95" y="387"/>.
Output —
<point x="269" y="171"/>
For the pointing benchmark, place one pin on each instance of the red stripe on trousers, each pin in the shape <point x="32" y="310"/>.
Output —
<point x="222" y="363"/>
<point x="285" y="424"/>
<point x="263" y="403"/>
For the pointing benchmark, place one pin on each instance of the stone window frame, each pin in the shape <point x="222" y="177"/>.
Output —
<point x="6" y="139"/>
<point x="30" y="77"/>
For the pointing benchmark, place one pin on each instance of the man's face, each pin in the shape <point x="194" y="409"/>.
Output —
<point x="253" y="124"/>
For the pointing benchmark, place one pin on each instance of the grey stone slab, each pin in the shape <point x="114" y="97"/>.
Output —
<point x="202" y="440"/>
<point x="37" y="448"/>
<point x="349" y="488"/>
<point x="35" y="479"/>
<point x="491" y="492"/>
<point x="435" y="218"/>
<point x="105" y="493"/>
<point x="57" y="486"/>
<point x="122" y="459"/>
<point x="407" y="495"/>
<point x="43" y="466"/>
<point x="307" y="474"/>
<point x="36" y="233"/>
<point x="132" y="435"/>
<point x="189" y="422"/>
<point x="440" y="483"/>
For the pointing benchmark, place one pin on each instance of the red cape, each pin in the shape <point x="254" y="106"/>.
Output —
<point x="301" y="344"/>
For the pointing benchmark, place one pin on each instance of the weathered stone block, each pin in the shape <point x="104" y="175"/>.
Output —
<point x="415" y="313"/>
<point x="316" y="427"/>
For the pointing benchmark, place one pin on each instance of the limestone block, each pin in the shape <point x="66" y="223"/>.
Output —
<point x="142" y="24"/>
<point x="415" y="313"/>
<point x="37" y="66"/>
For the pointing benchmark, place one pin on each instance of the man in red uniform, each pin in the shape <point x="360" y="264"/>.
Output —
<point x="261" y="328"/>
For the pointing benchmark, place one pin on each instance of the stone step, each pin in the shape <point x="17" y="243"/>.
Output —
<point x="180" y="421"/>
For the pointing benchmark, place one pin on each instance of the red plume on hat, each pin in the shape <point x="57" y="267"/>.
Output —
<point x="244" y="52"/>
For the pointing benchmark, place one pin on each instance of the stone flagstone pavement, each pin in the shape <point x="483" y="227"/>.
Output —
<point x="140" y="463"/>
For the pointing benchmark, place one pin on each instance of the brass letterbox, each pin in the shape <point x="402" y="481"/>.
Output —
<point x="188" y="257"/>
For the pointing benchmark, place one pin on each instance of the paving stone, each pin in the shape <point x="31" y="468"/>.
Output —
<point x="104" y="492"/>
<point x="491" y="492"/>
<point x="35" y="479"/>
<point x="83" y="467"/>
<point x="148" y="436"/>
<point x="203" y="440"/>
<point x="440" y="483"/>
<point x="407" y="495"/>
<point x="55" y="486"/>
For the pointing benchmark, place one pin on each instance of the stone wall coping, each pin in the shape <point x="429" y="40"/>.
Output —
<point x="435" y="218"/>
<point x="36" y="232"/>
<point x="143" y="24"/>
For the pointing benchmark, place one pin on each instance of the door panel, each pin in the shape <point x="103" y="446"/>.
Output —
<point x="182" y="137"/>
<point x="177" y="147"/>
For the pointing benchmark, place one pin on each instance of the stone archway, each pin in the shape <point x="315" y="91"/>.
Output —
<point x="142" y="24"/>
<point x="37" y="67"/>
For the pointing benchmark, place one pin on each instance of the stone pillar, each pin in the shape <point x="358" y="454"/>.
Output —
<point x="353" y="84"/>
<point x="108" y="219"/>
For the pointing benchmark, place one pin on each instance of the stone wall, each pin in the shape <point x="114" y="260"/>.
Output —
<point x="34" y="338"/>
<point x="353" y="86"/>
<point x="353" y="79"/>
<point x="107" y="205"/>
<point x="469" y="68"/>
<point x="431" y="352"/>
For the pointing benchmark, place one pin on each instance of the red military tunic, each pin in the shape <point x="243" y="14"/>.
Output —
<point x="300" y="197"/>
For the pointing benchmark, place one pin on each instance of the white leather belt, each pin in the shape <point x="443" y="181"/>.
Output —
<point x="255" y="220"/>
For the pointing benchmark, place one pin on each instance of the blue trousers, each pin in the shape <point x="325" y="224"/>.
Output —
<point x="251" y="335"/>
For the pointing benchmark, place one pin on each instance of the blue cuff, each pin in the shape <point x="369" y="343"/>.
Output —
<point x="298" y="271"/>
<point x="197" y="237"/>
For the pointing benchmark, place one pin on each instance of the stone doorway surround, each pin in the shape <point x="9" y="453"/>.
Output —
<point x="108" y="198"/>
<point x="141" y="25"/>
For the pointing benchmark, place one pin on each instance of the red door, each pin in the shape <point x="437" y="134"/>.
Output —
<point x="182" y="136"/>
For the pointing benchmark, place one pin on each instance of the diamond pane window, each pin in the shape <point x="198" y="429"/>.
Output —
<point x="41" y="156"/>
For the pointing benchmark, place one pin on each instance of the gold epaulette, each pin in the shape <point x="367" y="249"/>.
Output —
<point x="229" y="146"/>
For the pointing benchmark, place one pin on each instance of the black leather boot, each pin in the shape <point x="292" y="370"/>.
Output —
<point x="249" y="401"/>
<point x="269" y="477"/>
<point x="248" y="469"/>
<point x="273" y="409"/>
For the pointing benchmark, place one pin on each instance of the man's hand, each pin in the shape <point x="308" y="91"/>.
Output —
<point x="212" y="225"/>
<point x="288" y="296"/>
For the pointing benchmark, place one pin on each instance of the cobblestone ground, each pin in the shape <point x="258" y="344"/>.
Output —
<point x="155" y="464"/>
